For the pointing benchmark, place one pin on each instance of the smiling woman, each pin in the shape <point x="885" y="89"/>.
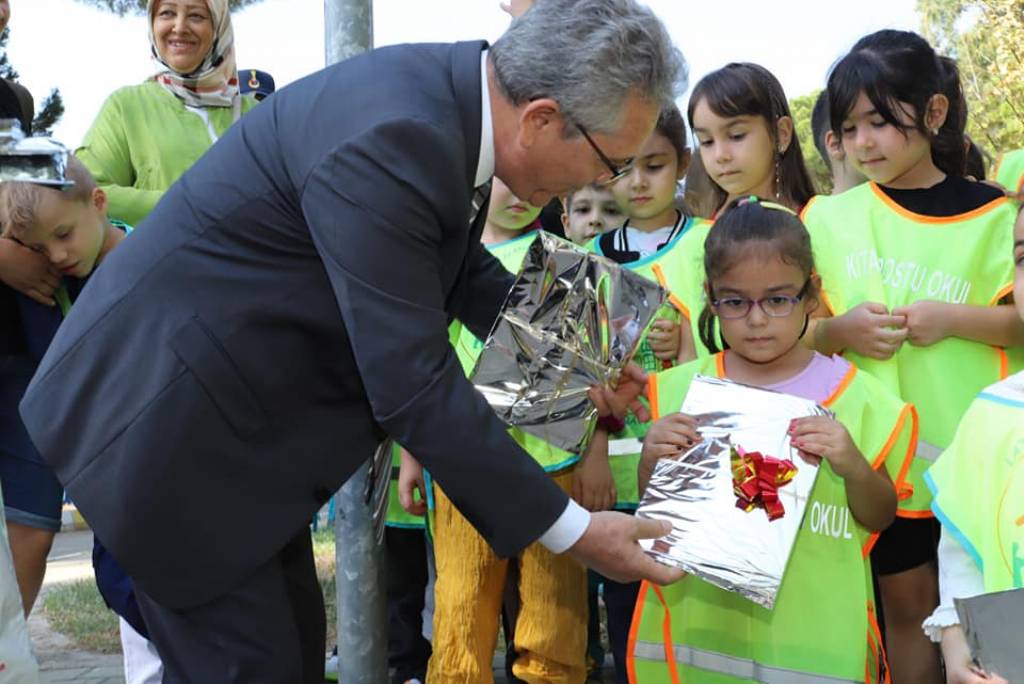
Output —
<point x="192" y="100"/>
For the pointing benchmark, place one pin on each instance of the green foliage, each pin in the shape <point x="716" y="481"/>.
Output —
<point x="50" y="110"/>
<point x="986" y="37"/>
<point x="48" y="114"/>
<point x="821" y="174"/>
<point x="123" y="7"/>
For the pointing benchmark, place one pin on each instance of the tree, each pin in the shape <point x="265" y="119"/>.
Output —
<point x="50" y="110"/>
<point x="801" y="108"/>
<point x="123" y="7"/>
<point x="986" y="37"/>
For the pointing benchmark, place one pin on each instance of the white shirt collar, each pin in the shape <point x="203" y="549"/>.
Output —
<point x="485" y="165"/>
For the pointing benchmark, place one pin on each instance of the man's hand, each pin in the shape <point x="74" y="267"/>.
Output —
<point x="927" y="321"/>
<point x="610" y="547"/>
<point x="410" y="479"/>
<point x="28" y="272"/>
<point x="625" y="395"/>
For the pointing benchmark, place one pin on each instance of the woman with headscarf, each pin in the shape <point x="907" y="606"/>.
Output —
<point x="147" y="135"/>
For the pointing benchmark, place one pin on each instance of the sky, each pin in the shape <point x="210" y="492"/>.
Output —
<point x="88" y="53"/>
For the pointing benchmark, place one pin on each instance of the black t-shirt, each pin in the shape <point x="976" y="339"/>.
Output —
<point x="12" y="341"/>
<point x="952" y="196"/>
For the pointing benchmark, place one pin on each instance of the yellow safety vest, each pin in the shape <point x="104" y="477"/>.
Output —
<point x="822" y="628"/>
<point x="679" y="268"/>
<point x="978" y="484"/>
<point x="1010" y="171"/>
<point x="868" y="248"/>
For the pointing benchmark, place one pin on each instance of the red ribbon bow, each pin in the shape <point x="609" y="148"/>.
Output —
<point x="756" y="479"/>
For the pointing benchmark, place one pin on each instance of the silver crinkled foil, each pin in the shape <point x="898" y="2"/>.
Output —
<point x="35" y="160"/>
<point x="731" y="548"/>
<point x="572" y="320"/>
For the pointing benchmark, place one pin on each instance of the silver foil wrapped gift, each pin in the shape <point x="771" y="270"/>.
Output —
<point x="572" y="320"/>
<point x="737" y="550"/>
<point x="36" y="160"/>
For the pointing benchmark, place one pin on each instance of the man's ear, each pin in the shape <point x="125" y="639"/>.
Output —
<point x="783" y="133"/>
<point x="539" y="119"/>
<point x="936" y="112"/>
<point x="834" y="146"/>
<point x="98" y="199"/>
<point x="684" y="164"/>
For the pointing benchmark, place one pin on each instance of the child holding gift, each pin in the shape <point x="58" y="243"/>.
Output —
<point x="761" y="292"/>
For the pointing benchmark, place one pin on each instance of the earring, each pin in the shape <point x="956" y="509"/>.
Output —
<point x="778" y="180"/>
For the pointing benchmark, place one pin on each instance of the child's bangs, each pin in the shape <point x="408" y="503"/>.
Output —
<point x="728" y="94"/>
<point x="857" y="73"/>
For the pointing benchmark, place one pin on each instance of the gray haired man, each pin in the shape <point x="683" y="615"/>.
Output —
<point x="242" y="353"/>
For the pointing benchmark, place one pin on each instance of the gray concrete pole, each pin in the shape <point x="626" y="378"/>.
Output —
<point x="362" y="608"/>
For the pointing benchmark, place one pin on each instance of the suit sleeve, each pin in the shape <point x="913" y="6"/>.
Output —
<point x="489" y="283"/>
<point x="377" y="207"/>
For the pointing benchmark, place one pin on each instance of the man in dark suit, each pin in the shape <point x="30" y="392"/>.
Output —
<point x="242" y="353"/>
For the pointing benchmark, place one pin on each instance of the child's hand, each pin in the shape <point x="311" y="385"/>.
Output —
<point x="410" y="479"/>
<point x="28" y="272"/>
<point x="820" y="437"/>
<point x="624" y="396"/>
<point x="593" y="486"/>
<point x="668" y="437"/>
<point x="967" y="673"/>
<point x="664" y="339"/>
<point x="870" y="330"/>
<point x="927" y="321"/>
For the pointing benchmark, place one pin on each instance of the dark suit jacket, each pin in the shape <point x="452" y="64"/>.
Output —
<point x="284" y="306"/>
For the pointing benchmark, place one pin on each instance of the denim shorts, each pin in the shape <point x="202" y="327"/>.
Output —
<point x="32" y="494"/>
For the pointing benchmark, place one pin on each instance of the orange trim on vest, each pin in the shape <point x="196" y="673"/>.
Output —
<point x="1004" y="363"/>
<point x="807" y="207"/>
<point x="652" y="396"/>
<point x="666" y="634"/>
<point x="875" y="635"/>
<point x="720" y="364"/>
<point x="844" y="384"/>
<point x="937" y="220"/>
<point x="904" y="489"/>
<point x="883" y="454"/>
<point x="1003" y="291"/>
<point x="659" y="275"/>
<point x="634" y="628"/>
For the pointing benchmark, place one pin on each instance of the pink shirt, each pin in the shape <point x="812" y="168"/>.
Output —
<point x="817" y="381"/>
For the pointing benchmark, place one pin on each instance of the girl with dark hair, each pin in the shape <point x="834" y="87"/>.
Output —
<point x="761" y="291"/>
<point x="741" y="119"/>
<point x="915" y="264"/>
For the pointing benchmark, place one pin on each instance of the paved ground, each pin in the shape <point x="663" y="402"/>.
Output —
<point x="71" y="559"/>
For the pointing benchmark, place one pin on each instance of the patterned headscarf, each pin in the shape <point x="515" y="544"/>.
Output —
<point x="215" y="82"/>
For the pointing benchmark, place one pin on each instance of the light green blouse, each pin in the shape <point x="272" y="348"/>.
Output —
<point x="143" y="139"/>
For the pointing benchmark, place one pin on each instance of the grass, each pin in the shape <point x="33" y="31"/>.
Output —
<point x="77" y="610"/>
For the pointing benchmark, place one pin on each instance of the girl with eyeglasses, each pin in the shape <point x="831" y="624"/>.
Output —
<point x="761" y="291"/>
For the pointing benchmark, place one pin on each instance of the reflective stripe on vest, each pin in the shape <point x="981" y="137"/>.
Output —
<point x="624" y="447"/>
<point x="731" y="665"/>
<point x="928" y="451"/>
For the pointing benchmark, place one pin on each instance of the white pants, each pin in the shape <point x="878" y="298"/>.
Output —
<point x="142" y="665"/>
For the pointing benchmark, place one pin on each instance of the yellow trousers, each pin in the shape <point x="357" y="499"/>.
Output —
<point x="550" y="630"/>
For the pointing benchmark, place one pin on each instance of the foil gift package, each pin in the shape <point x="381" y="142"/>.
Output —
<point x="572" y="320"/>
<point x="735" y="500"/>
<point x="37" y="160"/>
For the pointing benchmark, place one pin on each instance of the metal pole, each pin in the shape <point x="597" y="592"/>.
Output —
<point x="362" y="608"/>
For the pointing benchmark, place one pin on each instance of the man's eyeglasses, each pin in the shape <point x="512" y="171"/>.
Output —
<point x="776" y="306"/>
<point x="617" y="171"/>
